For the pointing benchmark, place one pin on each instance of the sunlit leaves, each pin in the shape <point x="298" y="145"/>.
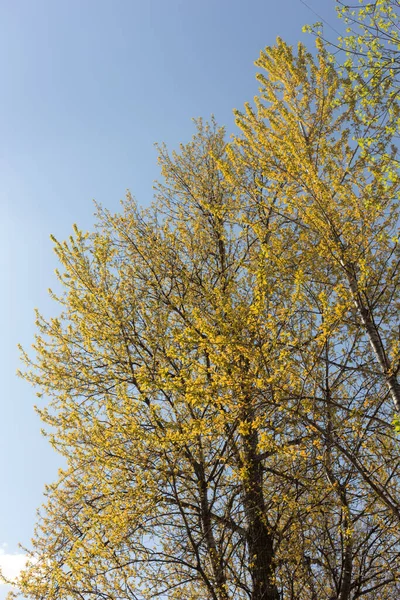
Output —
<point x="221" y="375"/>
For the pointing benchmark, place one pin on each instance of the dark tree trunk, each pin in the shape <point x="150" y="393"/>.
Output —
<point x="259" y="536"/>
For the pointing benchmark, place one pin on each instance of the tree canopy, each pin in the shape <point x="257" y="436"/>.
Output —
<point x="372" y="38"/>
<point x="223" y="374"/>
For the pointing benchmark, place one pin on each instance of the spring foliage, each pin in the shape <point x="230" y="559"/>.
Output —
<point x="222" y="376"/>
<point x="372" y="39"/>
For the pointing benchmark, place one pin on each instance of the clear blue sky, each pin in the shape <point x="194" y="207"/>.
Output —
<point x="87" y="87"/>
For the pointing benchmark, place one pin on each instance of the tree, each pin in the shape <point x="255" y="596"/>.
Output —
<point x="372" y="38"/>
<point x="223" y="372"/>
<point x="368" y="54"/>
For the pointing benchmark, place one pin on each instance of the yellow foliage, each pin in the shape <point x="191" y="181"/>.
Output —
<point x="218" y="376"/>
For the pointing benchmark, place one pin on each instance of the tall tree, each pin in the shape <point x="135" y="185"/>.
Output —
<point x="223" y="372"/>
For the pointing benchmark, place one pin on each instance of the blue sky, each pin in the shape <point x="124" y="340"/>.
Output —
<point x="87" y="88"/>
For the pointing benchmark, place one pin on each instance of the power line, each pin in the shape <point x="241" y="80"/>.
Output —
<point x="320" y="17"/>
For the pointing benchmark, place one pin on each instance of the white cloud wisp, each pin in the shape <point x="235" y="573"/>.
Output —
<point x="11" y="564"/>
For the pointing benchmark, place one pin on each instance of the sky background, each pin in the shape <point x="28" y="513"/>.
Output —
<point x="87" y="88"/>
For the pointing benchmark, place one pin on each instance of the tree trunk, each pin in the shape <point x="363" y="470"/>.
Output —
<point x="374" y="338"/>
<point x="259" y="537"/>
